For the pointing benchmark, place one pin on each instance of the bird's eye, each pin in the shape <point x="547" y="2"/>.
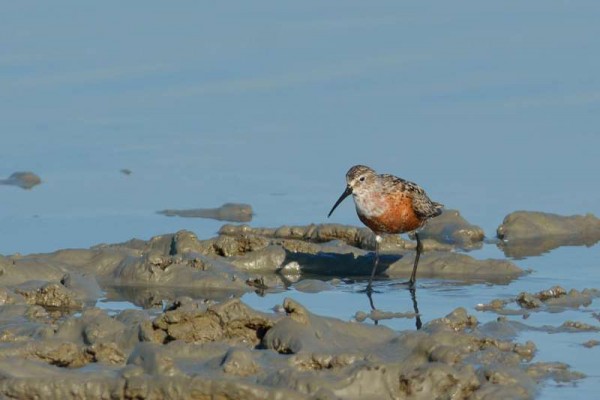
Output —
<point x="362" y="179"/>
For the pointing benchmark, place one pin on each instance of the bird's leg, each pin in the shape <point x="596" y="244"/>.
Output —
<point x="413" y="276"/>
<point x="377" y="241"/>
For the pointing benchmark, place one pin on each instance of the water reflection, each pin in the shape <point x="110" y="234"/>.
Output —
<point x="377" y="315"/>
<point x="521" y="248"/>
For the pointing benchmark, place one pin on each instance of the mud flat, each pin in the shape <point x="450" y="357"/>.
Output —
<point x="194" y="338"/>
<point x="530" y="233"/>
<point x="233" y="212"/>
<point x="554" y="299"/>
<point x="451" y="228"/>
<point x="229" y="350"/>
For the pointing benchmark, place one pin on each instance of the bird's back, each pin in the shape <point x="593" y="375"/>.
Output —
<point x="423" y="206"/>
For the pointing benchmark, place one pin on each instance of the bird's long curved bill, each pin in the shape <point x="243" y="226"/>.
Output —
<point x="346" y="193"/>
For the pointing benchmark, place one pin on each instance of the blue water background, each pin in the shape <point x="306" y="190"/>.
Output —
<point x="491" y="106"/>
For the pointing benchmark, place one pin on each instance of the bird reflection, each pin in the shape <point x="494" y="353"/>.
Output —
<point x="413" y="297"/>
<point x="370" y="296"/>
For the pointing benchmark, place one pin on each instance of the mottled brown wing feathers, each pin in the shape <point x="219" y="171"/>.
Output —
<point x="425" y="208"/>
<point x="422" y="204"/>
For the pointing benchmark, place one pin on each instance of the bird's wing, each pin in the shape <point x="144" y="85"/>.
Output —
<point x="422" y="204"/>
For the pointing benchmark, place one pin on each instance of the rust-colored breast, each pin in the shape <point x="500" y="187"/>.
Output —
<point x="399" y="216"/>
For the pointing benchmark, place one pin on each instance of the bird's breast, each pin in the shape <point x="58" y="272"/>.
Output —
<point x="391" y="213"/>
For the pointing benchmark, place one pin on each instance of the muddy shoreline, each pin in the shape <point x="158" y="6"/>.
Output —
<point x="193" y="337"/>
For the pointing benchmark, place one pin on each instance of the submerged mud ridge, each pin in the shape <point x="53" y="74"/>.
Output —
<point x="193" y="337"/>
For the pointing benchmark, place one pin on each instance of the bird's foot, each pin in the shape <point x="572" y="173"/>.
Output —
<point x="410" y="284"/>
<point x="368" y="290"/>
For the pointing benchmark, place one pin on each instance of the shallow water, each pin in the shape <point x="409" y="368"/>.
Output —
<point x="491" y="108"/>
<point x="436" y="298"/>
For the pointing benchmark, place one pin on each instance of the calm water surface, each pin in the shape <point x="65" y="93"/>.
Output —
<point x="491" y="107"/>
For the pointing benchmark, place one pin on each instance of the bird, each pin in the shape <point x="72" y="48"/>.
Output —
<point x="387" y="204"/>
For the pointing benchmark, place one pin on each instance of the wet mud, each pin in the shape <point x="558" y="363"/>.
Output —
<point x="554" y="299"/>
<point x="450" y="227"/>
<point x="531" y="233"/>
<point x="231" y="350"/>
<point x="192" y="337"/>
<point x="227" y="212"/>
<point x="24" y="180"/>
